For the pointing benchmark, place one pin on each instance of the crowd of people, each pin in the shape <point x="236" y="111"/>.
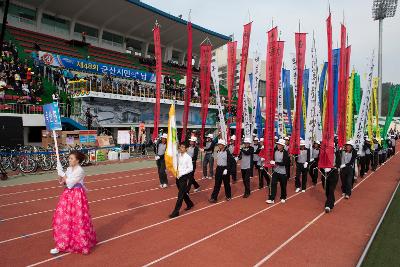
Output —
<point x="17" y="77"/>
<point x="348" y="165"/>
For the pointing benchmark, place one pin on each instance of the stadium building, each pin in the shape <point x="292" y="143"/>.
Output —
<point x="96" y="57"/>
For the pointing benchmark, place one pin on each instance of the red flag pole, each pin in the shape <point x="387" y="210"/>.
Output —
<point x="205" y="83"/>
<point x="188" y="82"/>
<point x="157" y="51"/>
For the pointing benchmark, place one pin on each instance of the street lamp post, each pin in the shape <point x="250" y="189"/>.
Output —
<point x="382" y="9"/>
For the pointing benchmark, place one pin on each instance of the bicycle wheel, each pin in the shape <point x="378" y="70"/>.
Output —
<point x="45" y="163"/>
<point x="14" y="163"/>
<point x="5" y="162"/>
<point x="27" y="165"/>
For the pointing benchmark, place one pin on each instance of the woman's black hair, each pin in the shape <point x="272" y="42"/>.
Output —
<point x="78" y="155"/>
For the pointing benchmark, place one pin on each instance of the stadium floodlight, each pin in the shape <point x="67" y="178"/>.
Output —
<point x="382" y="9"/>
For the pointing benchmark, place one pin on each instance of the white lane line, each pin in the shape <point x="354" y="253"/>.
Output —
<point x="220" y="231"/>
<point x="103" y="216"/>
<point x="147" y="227"/>
<point x="98" y="174"/>
<point x="59" y="186"/>
<point x="266" y="258"/>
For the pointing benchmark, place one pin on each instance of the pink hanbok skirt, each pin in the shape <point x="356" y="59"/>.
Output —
<point x="72" y="225"/>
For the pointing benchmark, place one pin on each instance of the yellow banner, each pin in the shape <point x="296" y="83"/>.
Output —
<point x="303" y="102"/>
<point x="350" y="108"/>
<point x="375" y="82"/>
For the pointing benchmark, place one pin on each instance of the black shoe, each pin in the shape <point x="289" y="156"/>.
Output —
<point x="246" y="195"/>
<point x="174" y="214"/>
<point x="189" y="207"/>
<point x="211" y="200"/>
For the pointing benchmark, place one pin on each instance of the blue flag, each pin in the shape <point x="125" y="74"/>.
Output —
<point x="52" y="117"/>
<point x="336" y="63"/>
<point x="286" y="94"/>
<point x="306" y="78"/>
<point x="321" y="86"/>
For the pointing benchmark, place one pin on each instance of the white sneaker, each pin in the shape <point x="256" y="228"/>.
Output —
<point x="283" y="200"/>
<point x="270" y="201"/>
<point x="210" y="177"/>
<point x="327" y="209"/>
<point x="161" y="186"/>
<point x="196" y="189"/>
<point x="346" y="197"/>
<point x="54" y="251"/>
<point x="303" y="191"/>
<point x="297" y="190"/>
<point x="165" y="185"/>
<point x="343" y="194"/>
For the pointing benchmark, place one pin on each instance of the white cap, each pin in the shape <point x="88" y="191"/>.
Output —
<point x="261" y="139"/>
<point x="233" y="137"/>
<point x="350" y="142"/>
<point x="255" y="138"/>
<point x="286" y="138"/>
<point x="210" y="136"/>
<point x="276" y="137"/>
<point x="164" y="135"/>
<point x="317" y="142"/>
<point x="193" y="139"/>
<point x="247" y="140"/>
<point x="281" y="142"/>
<point x="221" y="142"/>
<point x="254" y="134"/>
<point x="302" y="142"/>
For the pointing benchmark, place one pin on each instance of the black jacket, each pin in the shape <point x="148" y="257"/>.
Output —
<point x="308" y="156"/>
<point x="285" y="159"/>
<point x="248" y="152"/>
<point x="195" y="153"/>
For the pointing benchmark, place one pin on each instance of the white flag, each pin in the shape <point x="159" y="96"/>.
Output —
<point x="215" y="77"/>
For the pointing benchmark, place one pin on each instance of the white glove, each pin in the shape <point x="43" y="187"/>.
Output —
<point x="327" y="169"/>
<point x="225" y="172"/>
<point x="272" y="162"/>
<point x="202" y="149"/>
<point x="262" y="159"/>
<point x="305" y="164"/>
<point x="262" y="147"/>
<point x="60" y="171"/>
<point x="157" y="157"/>
<point x="342" y="166"/>
<point x="59" y="166"/>
<point x="236" y="159"/>
<point x="311" y="160"/>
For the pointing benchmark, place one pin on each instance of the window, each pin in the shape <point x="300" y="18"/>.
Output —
<point x="89" y="30"/>
<point x="55" y="22"/>
<point x="21" y="12"/>
<point x="108" y="36"/>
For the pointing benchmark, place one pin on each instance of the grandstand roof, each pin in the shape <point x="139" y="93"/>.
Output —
<point x="130" y="18"/>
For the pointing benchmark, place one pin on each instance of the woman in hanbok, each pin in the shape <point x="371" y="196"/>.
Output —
<point x="72" y="225"/>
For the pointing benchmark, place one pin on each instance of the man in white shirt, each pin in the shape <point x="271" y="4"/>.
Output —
<point x="185" y="168"/>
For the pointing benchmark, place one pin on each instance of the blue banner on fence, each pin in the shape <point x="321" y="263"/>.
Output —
<point x="94" y="67"/>
<point x="52" y="116"/>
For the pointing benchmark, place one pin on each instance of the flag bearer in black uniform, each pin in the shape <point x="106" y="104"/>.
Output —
<point x="375" y="157"/>
<point x="348" y="158"/>
<point x="330" y="179"/>
<point x="245" y="156"/>
<point x="233" y="171"/>
<point x="193" y="152"/>
<point x="302" y="167"/>
<point x="224" y="162"/>
<point x="281" y="158"/>
<point x="287" y="142"/>
<point x="254" y="161"/>
<point x="159" y="149"/>
<point x="368" y="154"/>
<point x="185" y="168"/>
<point x="209" y="156"/>
<point x="262" y="171"/>
<point x="314" y="158"/>
<point x="393" y="144"/>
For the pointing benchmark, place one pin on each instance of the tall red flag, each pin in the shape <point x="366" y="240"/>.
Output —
<point x="300" y="41"/>
<point x="326" y="156"/>
<point x="341" y="128"/>
<point x="243" y="65"/>
<point x="205" y="83"/>
<point x="232" y="46"/>
<point x="268" y="151"/>
<point x="157" y="51"/>
<point x="188" y="92"/>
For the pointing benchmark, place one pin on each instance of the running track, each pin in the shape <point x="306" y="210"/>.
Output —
<point x="130" y="217"/>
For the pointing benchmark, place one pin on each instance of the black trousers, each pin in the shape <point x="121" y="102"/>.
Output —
<point x="208" y="160"/>
<point x="346" y="176"/>
<point x="368" y="160"/>
<point x="182" y="184"/>
<point x="301" y="171"/>
<point x="282" y="179"/>
<point x="288" y="171"/>
<point x="263" y="175"/>
<point x="363" y="166"/>
<point x="252" y="165"/>
<point x="233" y="171"/>
<point x="192" y="180"/>
<point x="375" y="161"/>
<point x="246" y="180"/>
<point x="219" y="178"/>
<point x="331" y="181"/>
<point x="313" y="170"/>
<point x="162" y="175"/>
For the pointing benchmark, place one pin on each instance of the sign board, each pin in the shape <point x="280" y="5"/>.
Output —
<point x="52" y="117"/>
<point x="124" y="137"/>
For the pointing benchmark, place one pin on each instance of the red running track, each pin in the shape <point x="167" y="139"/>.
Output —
<point x="130" y="216"/>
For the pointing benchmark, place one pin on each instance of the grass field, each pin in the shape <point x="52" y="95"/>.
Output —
<point x="385" y="249"/>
